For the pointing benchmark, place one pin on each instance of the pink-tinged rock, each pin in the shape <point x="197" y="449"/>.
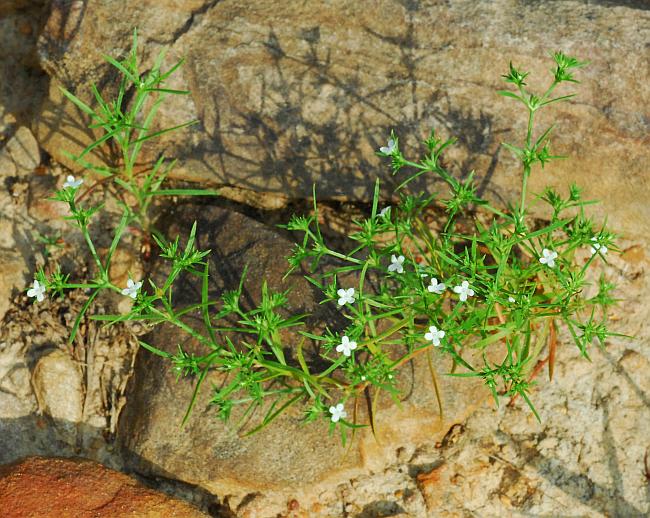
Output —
<point x="78" y="488"/>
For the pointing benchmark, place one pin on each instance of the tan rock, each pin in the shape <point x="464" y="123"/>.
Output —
<point x="13" y="276"/>
<point x="23" y="81"/>
<point x="288" y="459"/>
<point x="291" y="95"/>
<point x="77" y="488"/>
<point x="20" y="155"/>
<point x="22" y="149"/>
<point x="58" y="386"/>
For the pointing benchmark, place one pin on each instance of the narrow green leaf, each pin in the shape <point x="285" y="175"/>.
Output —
<point x="558" y="99"/>
<point x="79" y="103"/>
<point x="121" y="68"/>
<point x="126" y="217"/>
<point x="506" y="93"/>
<point x="162" y="132"/>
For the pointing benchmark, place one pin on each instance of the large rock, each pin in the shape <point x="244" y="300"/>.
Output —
<point x="287" y="459"/>
<point x="291" y="94"/>
<point x="76" y="488"/>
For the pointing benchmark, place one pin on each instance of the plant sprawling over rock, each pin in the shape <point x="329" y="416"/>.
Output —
<point x="486" y="282"/>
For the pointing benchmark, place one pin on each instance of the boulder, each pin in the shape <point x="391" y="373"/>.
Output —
<point x="288" y="459"/>
<point x="78" y="488"/>
<point x="290" y="95"/>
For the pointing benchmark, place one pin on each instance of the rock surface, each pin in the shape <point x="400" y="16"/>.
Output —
<point x="291" y="95"/>
<point x="58" y="386"/>
<point x="287" y="459"/>
<point x="19" y="157"/>
<point x="23" y="82"/>
<point x="66" y="488"/>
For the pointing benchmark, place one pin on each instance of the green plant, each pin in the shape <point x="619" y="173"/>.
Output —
<point x="126" y="123"/>
<point x="491" y="282"/>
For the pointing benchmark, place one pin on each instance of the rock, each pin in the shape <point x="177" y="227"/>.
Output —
<point x="289" y="95"/>
<point x="11" y="6"/>
<point x="77" y="488"/>
<point x="13" y="276"/>
<point x="286" y="460"/>
<point x="21" y="154"/>
<point x="58" y="386"/>
<point x="24" y="84"/>
<point x="59" y="390"/>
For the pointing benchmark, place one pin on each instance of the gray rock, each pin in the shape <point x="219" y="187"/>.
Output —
<point x="294" y="95"/>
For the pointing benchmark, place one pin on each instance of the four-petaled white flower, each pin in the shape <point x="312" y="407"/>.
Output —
<point x="37" y="290"/>
<point x="434" y="335"/>
<point x="346" y="296"/>
<point x="338" y="412"/>
<point x="390" y="148"/>
<point x="72" y="183"/>
<point x="132" y="288"/>
<point x="548" y="257"/>
<point x="384" y="212"/>
<point x="464" y="291"/>
<point x="396" y="264"/>
<point x="436" y="287"/>
<point x="597" y="247"/>
<point x="346" y="346"/>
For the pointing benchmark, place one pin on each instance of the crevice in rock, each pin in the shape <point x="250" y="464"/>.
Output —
<point x="187" y="26"/>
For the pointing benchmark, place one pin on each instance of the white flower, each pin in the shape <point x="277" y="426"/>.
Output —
<point x="384" y="212"/>
<point x="511" y="299"/>
<point x="338" y="412"/>
<point x="464" y="291"/>
<point x="597" y="247"/>
<point x="548" y="258"/>
<point x="346" y="346"/>
<point x="434" y="335"/>
<point x="421" y="270"/>
<point x="132" y="288"/>
<point x="396" y="264"/>
<point x="436" y="287"/>
<point x="390" y="148"/>
<point x="37" y="290"/>
<point x="346" y="296"/>
<point x="72" y="183"/>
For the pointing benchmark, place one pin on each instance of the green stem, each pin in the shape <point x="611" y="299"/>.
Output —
<point x="93" y="252"/>
<point x="529" y="134"/>
<point x="524" y="189"/>
<point x="343" y="256"/>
